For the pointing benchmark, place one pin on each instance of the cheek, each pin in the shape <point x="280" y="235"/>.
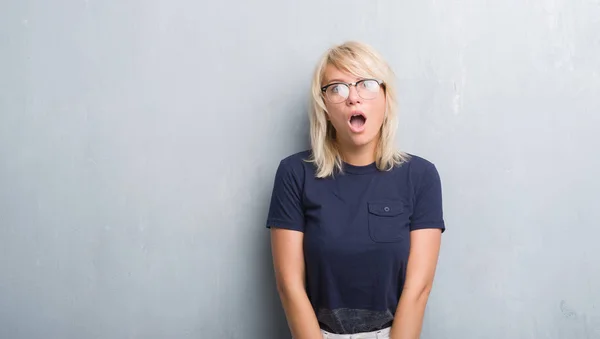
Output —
<point x="381" y="102"/>
<point x="334" y="115"/>
<point x="378" y="108"/>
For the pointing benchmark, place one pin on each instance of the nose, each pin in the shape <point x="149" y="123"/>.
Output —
<point x="353" y="96"/>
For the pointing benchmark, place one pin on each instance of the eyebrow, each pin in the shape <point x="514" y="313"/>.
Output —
<point x="336" y="80"/>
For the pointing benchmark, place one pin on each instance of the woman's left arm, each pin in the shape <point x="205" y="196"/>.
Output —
<point x="420" y="270"/>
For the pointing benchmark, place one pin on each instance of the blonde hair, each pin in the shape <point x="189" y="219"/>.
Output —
<point x="360" y="60"/>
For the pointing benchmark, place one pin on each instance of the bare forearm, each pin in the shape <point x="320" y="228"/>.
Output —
<point x="408" y="321"/>
<point x="300" y="314"/>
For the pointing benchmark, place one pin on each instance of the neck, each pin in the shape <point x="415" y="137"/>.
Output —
<point x="358" y="156"/>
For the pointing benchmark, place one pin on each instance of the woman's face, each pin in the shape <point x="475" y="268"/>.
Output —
<point x="358" y="117"/>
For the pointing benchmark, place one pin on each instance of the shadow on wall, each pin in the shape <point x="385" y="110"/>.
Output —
<point x="276" y="325"/>
<point x="289" y="134"/>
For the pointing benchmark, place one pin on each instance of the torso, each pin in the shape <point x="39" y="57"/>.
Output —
<point x="357" y="240"/>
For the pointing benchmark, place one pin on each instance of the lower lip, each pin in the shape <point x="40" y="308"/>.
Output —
<point x="355" y="129"/>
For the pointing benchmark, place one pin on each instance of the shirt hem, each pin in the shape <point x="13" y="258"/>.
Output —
<point x="285" y="225"/>
<point x="439" y="225"/>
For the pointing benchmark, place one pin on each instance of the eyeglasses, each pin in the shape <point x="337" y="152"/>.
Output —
<point x="339" y="91"/>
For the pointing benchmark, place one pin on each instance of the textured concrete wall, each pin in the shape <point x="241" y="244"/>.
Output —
<point x="139" y="139"/>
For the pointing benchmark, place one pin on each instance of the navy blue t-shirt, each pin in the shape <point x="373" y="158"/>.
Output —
<point x="356" y="228"/>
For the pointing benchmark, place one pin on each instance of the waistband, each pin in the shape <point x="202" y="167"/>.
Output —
<point x="381" y="334"/>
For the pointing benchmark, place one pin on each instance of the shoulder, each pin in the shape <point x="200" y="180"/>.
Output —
<point x="296" y="159"/>
<point x="418" y="164"/>
<point x="295" y="165"/>
<point x="421" y="170"/>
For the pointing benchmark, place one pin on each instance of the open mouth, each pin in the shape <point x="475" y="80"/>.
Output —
<point x="357" y="121"/>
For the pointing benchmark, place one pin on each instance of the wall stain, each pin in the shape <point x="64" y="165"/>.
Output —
<point x="567" y="311"/>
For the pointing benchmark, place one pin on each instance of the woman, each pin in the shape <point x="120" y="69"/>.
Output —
<point x="355" y="224"/>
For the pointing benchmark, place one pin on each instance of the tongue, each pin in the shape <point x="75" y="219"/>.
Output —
<point x="357" y="122"/>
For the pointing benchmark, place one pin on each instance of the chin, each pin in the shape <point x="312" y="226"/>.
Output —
<point x="361" y="140"/>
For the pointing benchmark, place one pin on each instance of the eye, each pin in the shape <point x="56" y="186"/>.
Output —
<point x="338" y="89"/>
<point x="370" y="85"/>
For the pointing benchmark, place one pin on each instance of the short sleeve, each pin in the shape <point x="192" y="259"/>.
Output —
<point x="428" y="209"/>
<point x="285" y="209"/>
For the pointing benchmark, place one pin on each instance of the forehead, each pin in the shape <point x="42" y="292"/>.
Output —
<point x="332" y="73"/>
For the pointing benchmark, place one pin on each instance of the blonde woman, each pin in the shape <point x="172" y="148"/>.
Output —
<point x="355" y="224"/>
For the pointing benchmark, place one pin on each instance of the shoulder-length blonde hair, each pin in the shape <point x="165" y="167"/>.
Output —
<point x="360" y="60"/>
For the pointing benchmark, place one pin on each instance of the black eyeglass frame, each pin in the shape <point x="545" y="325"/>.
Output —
<point x="350" y="84"/>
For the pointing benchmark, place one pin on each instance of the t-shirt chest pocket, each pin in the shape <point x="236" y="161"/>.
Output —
<point x="388" y="221"/>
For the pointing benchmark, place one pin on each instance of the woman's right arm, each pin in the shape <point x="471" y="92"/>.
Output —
<point x="288" y="261"/>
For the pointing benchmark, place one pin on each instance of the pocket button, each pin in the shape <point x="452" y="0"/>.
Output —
<point x="387" y="209"/>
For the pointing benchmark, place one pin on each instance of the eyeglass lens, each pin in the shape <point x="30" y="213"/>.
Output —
<point x="366" y="89"/>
